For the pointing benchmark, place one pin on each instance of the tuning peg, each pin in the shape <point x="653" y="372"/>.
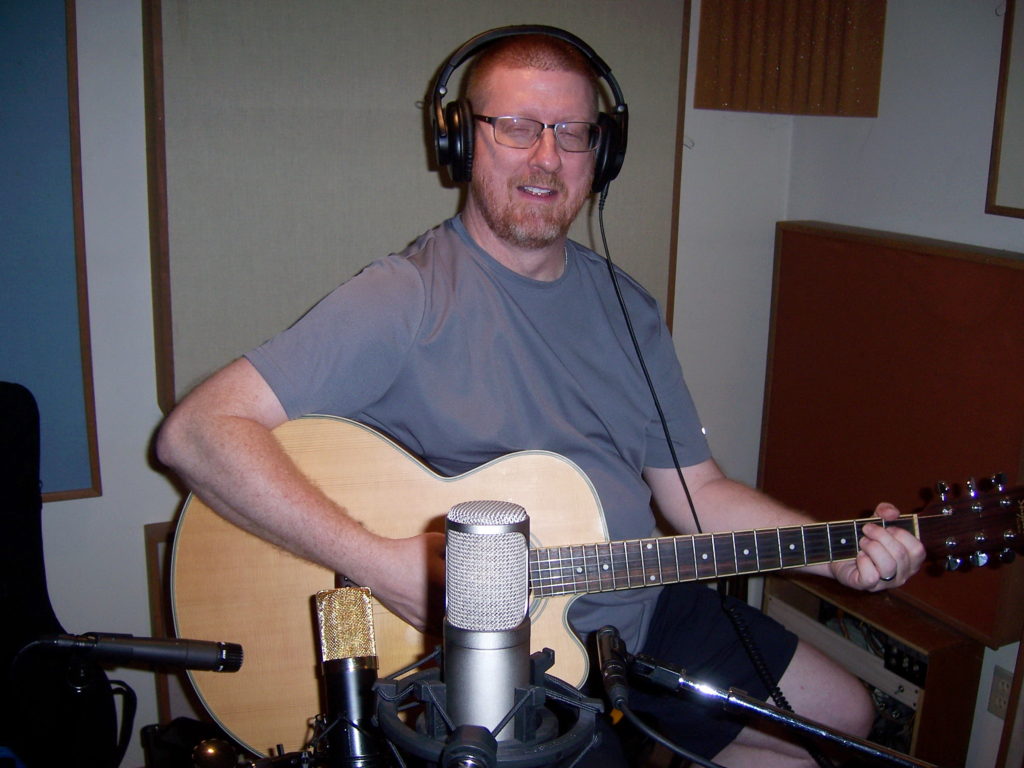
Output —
<point x="1007" y="556"/>
<point x="979" y="559"/>
<point x="953" y="563"/>
<point x="974" y="493"/>
<point x="945" y="492"/>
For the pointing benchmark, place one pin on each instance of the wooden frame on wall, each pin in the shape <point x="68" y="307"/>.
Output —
<point x="1006" y="168"/>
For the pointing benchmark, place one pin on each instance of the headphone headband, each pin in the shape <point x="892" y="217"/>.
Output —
<point x="453" y="125"/>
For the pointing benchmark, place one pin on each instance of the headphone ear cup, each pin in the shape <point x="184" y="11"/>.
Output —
<point x="459" y="121"/>
<point x="610" y="152"/>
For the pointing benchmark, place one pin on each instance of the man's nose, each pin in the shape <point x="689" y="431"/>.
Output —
<point x="545" y="153"/>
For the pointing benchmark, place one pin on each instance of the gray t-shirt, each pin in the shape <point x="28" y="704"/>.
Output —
<point x="462" y="361"/>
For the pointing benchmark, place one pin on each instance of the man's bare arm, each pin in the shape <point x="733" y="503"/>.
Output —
<point x="219" y="441"/>
<point x="887" y="557"/>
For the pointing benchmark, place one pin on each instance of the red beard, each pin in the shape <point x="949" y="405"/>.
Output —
<point x="522" y="222"/>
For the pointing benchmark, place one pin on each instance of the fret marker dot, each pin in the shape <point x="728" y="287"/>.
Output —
<point x="792" y="547"/>
<point x="842" y="540"/>
<point x="650" y="546"/>
<point x="604" y="567"/>
<point x="652" y="578"/>
<point x="704" y="556"/>
<point x="578" y="569"/>
<point x="746" y="551"/>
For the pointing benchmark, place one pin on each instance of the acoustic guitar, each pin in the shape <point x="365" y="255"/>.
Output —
<point x="229" y="585"/>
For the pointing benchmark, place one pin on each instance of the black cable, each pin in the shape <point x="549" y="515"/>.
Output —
<point x="640" y="357"/>
<point x="749" y="645"/>
<point x="767" y="679"/>
<point x="742" y="632"/>
<point x="129" y="706"/>
<point x="652" y="734"/>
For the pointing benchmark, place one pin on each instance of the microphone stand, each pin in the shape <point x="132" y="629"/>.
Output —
<point x="676" y="680"/>
<point x="553" y="723"/>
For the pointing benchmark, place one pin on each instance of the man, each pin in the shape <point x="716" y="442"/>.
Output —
<point x="494" y="333"/>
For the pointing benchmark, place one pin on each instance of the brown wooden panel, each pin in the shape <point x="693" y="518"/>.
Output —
<point x="801" y="57"/>
<point x="895" y="362"/>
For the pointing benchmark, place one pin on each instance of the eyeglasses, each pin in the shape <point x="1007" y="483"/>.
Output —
<point x="523" y="133"/>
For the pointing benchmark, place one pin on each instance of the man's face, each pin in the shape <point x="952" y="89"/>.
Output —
<point x="529" y="197"/>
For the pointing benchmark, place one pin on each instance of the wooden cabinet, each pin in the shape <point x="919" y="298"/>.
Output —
<point x="914" y="659"/>
<point x="896" y="362"/>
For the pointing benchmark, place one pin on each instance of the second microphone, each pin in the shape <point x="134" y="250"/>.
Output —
<point x="487" y="625"/>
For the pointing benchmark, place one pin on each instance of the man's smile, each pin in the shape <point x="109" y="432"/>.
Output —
<point x="540" y="191"/>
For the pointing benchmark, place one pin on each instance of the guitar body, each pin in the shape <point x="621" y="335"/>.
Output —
<point x="229" y="585"/>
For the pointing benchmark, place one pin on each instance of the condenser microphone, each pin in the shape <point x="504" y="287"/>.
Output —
<point x="486" y="627"/>
<point x="349" y="667"/>
<point x="160" y="652"/>
<point x="611" y="658"/>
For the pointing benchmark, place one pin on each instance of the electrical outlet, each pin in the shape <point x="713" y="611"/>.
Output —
<point x="999" y="694"/>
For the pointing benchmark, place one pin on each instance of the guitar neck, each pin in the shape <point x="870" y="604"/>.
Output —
<point x="633" y="563"/>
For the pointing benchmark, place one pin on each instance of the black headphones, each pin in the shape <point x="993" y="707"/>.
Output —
<point x="454" y="123"/>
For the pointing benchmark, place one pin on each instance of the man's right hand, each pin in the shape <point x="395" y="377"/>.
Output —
<point x="407" y="576"/>
<point x="219" y="442"/>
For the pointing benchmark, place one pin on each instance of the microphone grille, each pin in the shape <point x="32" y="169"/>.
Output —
<point x="487" y="513"/>
<point x="487" y="572"/>
<point x="345" y="616"/>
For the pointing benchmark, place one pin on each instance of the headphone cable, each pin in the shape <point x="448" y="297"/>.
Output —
<point x="640" y="357"/>
<point x="739" y="625"/>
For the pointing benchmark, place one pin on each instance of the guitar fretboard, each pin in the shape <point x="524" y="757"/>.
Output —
<point x="633" y="563"/>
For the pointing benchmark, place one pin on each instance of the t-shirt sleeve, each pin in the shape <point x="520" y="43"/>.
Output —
<point x="346" y="351"/>
<point x="684" y="425"/>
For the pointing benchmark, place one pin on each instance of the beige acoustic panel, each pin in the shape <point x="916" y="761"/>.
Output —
<point x="289" y="148"/>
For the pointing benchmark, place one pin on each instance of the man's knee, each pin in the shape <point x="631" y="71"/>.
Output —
<point x="821" y="689"/>
<point x="817" y="688"/>
<point x="861" y="710"/>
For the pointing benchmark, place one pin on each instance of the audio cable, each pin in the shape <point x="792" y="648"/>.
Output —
<point x="742" y="631"/>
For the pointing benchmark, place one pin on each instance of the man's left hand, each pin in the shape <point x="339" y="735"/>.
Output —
<point x="888" y="557"/>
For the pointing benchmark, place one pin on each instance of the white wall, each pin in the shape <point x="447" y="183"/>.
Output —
<point x="94" y="547"/>
<point x="920" y="168"/>
<point x="735" y="175"/>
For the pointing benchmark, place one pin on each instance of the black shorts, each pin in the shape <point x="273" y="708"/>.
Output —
<point x="691" y="630"/>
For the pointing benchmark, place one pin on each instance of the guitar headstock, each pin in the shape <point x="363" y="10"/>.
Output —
<point x="985" y="520"/>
